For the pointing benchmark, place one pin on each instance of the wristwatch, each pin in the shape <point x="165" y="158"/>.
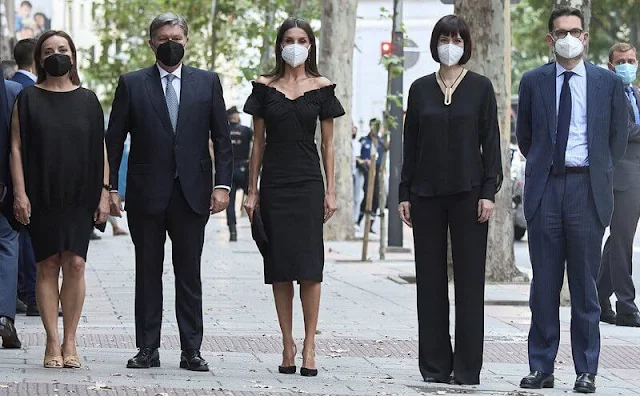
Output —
<point x="107" y="187"/>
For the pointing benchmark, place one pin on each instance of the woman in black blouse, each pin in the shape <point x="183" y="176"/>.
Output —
<point x="450" y="175"/>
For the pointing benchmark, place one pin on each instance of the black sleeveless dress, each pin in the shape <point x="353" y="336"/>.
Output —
<point x="291" y="185"/>
<point x="62" y="136"/>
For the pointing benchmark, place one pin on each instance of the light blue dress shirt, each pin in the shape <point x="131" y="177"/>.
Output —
<point x="578" y="144"/>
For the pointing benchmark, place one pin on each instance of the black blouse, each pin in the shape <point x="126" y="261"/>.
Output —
<point x="455" y="148"/>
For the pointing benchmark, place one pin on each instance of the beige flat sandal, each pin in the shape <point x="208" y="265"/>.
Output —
<point x="52" y="361"/>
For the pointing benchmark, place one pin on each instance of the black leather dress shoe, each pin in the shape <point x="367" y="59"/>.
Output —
<point x="608" y="316"/>
<point x="537" y="380"/>
<point x="32" y="310"/>
<point x="146" y="358"/>
<point x="449" y="380"/>
<point x="9" y="334"/>
<point x="20" y="306"/>
<point x="628" y="320"/>
<point x="585" y="383"/>
<point x="193" y="361"/>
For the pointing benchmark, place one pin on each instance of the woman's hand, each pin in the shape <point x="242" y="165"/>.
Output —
<point x="405" y="213"/>
<point x="22" y="208"/>
<point x="251" y="204"/>
<point x="485" y="210"/>
<point x="102" y="212"/>
<point x="330" y="206"/>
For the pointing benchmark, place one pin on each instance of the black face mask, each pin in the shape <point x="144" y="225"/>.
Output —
<point x="57" y="65"/>
<point x="170" y="53"/>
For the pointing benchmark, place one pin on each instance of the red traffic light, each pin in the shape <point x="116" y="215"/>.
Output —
<point x="386" y="48"/>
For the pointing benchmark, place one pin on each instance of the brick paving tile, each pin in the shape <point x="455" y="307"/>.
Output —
<point x="49" y="389"/>
<point x="612" y="356"/>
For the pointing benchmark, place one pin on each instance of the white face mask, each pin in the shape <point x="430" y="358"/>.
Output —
<point x="569" y="47"/>
<point x="295" y="54"/>
<point x="450" y="54"/>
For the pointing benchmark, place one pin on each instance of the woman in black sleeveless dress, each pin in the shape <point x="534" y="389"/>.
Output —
<point x="286" y="105"/>
<point x="59" y="174"/>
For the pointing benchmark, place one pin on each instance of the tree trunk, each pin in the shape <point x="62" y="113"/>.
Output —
<point x="296" y="7"/>
<point x="266" y="51"/>
<point x="490" y="24"/>
<point x="585" y="6"/>
<point x="336" y="62"/>
<point x="214" y="33"/>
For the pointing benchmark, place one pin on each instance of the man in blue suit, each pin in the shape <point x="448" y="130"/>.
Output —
<point x="23" y="54"/>
<point x="617" y="256"/>
<point x="573" y="121"/>
<point x="8" y="237"/>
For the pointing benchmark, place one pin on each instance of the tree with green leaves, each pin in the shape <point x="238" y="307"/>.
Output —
<point x="243" y="31"/>
<point x="608" y="22"/>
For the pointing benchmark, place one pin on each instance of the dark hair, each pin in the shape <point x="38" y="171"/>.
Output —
<point x="310" y="66"/>
<point x="26" y="3"/>
<point x="565" y="11"/>
<point x="451" y="26"/>
<point x="37" y="55"/>
<point x="23" y="52"/>
<point x="371" y="121"/>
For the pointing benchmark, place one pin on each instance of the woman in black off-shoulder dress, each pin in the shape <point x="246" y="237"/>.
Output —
<point x="293" y="204"/>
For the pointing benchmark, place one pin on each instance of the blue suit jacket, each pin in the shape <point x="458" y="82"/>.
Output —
<point x="11" y="91"/>
<point x="607" y="129"/>
<point x="23" y="80"/>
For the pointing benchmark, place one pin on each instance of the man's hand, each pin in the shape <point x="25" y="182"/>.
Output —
<point x="115" y="204"/>
<point x="219" y="200"/>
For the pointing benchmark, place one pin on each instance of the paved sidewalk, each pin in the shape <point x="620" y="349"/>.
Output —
<point x="366" y="343"/>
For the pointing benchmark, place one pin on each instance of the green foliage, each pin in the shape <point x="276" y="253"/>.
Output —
<point x="122" y="28"/>
<point x="244" y="34"/>
<point x="612" y="21"/>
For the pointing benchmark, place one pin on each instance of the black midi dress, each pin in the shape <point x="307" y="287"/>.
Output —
<point x="291" y="185"/>
<point x="62" y="136"/>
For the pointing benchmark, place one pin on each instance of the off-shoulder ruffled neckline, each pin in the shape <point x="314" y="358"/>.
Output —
<point x="331" y="87"/>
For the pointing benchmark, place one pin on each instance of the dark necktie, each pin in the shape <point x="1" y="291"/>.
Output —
<point x="564" y="121"/>
<point x="634" y="105"/>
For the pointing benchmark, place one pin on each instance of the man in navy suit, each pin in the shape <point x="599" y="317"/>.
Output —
<point x="572" y="127"/>
<point x="23" y="54"/>
<point x="8" y="237"/>
<point x="617" y="257"/>
<point x="171" y="111"/>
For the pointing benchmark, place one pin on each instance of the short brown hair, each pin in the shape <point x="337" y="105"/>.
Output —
<point x="451" y="25"/>
<point x="37" y="56"/>
<point x="620" y="47"/>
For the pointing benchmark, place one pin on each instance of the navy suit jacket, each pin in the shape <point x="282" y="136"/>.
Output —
<point x="627" y="171"/>
<point x="11" y="91"/>
<point x="157" y="153"/>
<point x="23" y="80"/>
<point x="607" y="130"/>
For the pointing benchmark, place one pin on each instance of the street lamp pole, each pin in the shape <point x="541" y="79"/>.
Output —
<point x="395" y="151"/>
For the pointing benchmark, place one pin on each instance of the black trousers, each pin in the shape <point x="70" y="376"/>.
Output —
<point x="431" y="217"/>
<point x="239" y="182"/>
<point x="376" y="195"/>
<point x="148" y="232"/>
